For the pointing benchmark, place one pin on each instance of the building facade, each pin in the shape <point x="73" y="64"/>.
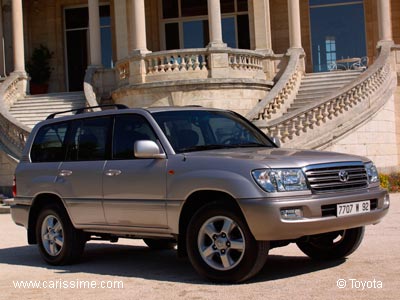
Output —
<point x="251" y="56"/>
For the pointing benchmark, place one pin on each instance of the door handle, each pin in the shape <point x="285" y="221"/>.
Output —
<point x="65" y="173"/>
<point x="113" y="172"/>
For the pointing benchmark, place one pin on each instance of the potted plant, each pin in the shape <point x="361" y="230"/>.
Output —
<point x="39" y="70"/>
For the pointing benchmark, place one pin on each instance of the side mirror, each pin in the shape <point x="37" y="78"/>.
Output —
<point x="148" y="149"/>
<point x="276" y="141"/>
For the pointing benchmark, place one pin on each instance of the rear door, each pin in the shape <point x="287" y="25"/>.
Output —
<point x="134" y="189"/>
<point x="81" y="174"/>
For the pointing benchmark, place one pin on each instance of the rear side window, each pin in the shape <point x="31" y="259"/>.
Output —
<point x="49" y="144"/>
<point x="89" y="139"/>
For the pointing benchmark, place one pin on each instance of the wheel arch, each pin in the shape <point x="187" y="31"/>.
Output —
<point x="39" y="202"/>
<point x="196" y="201"/>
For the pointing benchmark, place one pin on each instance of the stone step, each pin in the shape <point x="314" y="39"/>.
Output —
<point x="333" y="74"/>
<point x="317" y="94"/>
<point x="36" y="108"/>
<point x="326" y="83"/>
<point x="51" y="105"/>
<point x="48" y="100"/>
<point x="318" y="88"/>
<point x="57" y="95"/>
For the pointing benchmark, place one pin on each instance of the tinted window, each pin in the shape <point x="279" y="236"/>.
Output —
<point x="49" y="144"/>
<point x="127" y="130"/>
<point x="204" y="130"/>
<point x="89" y="139"/>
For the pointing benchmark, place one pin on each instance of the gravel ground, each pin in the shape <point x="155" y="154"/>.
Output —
<point x="372" y="272"/>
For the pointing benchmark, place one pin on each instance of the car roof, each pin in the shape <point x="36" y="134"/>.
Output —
<point x="107" y="112"/>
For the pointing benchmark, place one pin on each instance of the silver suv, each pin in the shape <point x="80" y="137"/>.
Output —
<point x="204" y="180"/>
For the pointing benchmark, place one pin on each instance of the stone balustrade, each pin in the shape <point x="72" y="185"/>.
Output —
<point x="357" y="101"/>
<point x="184" y="64"/>
<point x="13" y="134"/>
<point x="282" y="94"/>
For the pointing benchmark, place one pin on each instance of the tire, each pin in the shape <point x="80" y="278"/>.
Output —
<point x="333" y="245"/>
<point x="160" y="244"/>
<point x="221" y="247"/>
<point x="58" y="241"/>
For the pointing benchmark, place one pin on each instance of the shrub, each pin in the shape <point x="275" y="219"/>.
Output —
<point x="391" y="182"/>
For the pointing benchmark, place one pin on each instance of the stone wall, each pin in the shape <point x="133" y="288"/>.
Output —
<point x="240" y="95"/>
<point x="7" y="168"/>
<point x="376" y="139"/>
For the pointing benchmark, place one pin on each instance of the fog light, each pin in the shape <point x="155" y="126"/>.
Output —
<point x="292" y="213"/>
<point x="386" y="201"/>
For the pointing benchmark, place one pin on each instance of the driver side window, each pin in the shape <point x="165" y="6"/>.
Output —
<point x="129" y="129"/>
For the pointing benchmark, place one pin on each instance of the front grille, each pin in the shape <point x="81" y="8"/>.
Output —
<point x="336" y="177"/>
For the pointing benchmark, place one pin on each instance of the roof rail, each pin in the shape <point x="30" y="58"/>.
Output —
<point x="83" y="109"/>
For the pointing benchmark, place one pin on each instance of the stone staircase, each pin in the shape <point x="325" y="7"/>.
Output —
<point x="33" y="109"/>
<point x="315" y="86"/>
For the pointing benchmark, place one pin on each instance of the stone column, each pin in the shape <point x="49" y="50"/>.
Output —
<point x="94" y="34"/>
<point x="294" y="24"/>
<point x="215" y="23"/>
<point x="384" y="20"/>
<point x="138" y="27"/>
<point x="262" y="26"/>
<point x="2" y="57"/>
<point x="18" y="37"/>
<point x="121" y="30"/>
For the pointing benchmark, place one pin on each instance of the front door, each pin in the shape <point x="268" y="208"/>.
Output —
<point x="134" y="189"/>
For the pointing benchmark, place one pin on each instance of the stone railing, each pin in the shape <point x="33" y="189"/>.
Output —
<point x="176" y="64"/>
<point x="184" y="64"/>
<point x="347" y="109"/>
<point x="13" y="134"/>
<point x="282" y="94"/>
<point x="245" y="60"/>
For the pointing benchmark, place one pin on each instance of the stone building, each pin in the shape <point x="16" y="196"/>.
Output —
<point x="318" y="74"/>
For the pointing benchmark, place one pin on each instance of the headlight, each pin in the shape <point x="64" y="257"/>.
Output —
<point x="280" y="180"/>
<point x="372" y="172"/>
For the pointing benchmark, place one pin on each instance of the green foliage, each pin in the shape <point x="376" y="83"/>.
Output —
<point x="39" y="66"/>
<point x="391" y="182"/>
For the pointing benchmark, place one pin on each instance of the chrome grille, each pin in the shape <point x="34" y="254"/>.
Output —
<point x="337" y="176"/>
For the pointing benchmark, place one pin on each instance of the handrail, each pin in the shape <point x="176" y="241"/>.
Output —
<point x="13" y="133"/>
<point x="283" y="91"/>
<point x="360" y="90"/>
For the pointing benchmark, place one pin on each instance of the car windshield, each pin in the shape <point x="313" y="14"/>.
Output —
<point x="193" y="130"/>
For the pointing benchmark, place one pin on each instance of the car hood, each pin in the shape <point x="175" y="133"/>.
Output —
<point x="278" y="157"/>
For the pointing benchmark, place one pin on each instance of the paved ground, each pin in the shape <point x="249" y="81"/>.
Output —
<point x="372" y="272"/>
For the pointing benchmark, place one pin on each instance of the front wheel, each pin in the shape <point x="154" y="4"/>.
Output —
<point x="221" y="247"/>
<point x="333" y="245"/>
<point x="58" y="240"/>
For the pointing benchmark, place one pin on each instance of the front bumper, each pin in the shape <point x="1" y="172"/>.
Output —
<point x="266" y="223"/>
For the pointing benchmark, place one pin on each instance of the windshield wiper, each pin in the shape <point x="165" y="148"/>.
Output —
<point x="248" y="145"/>
<point x="222" y="146"/>
<point x="207" y="147"/>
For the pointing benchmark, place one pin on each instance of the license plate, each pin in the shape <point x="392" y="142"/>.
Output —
<point x="353" y="208"/>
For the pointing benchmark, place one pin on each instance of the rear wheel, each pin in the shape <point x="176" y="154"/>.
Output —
<point x="160" y="244"/>
<point x="58" y="241"/>
<point x="333" y="245"/>
<point x="221" y="247"/>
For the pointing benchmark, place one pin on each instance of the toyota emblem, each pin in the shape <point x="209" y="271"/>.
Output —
<point x="343" y="176"/>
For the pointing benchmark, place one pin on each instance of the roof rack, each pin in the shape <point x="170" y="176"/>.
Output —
<point x="83" y="109"/>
